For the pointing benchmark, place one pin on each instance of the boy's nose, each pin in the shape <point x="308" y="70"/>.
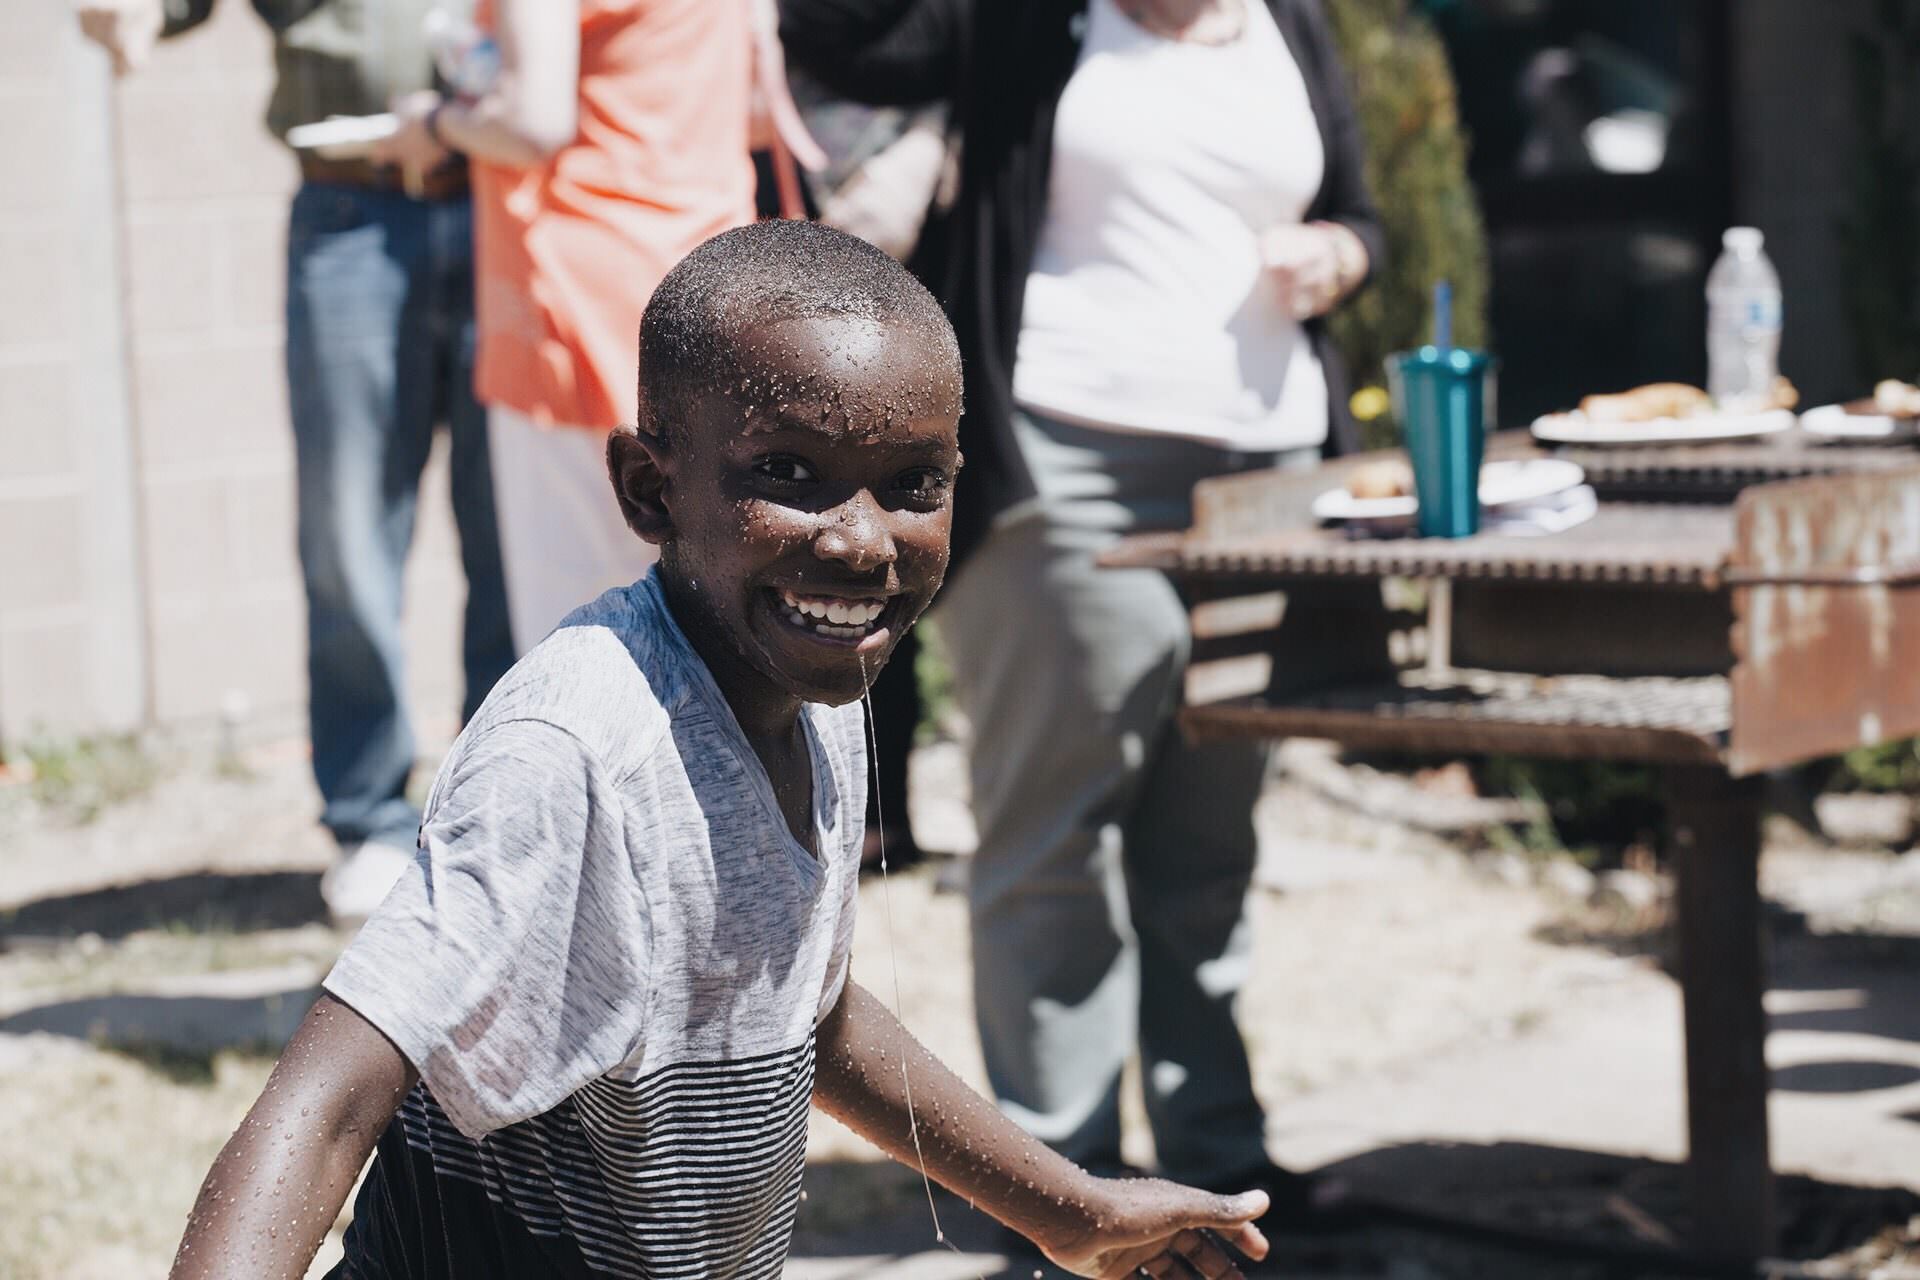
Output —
<point x="856" y="534"/>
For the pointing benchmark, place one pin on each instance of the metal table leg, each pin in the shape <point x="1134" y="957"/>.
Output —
<point x="1714" y="822"/>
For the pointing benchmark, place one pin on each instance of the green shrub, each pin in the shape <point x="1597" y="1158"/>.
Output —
<point x="1891" y="766"/>
<point x="1595" y="808"/>
<point x="1417" y="167"/>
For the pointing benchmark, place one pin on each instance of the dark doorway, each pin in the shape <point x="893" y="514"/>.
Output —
<point x="1601" y="152"/>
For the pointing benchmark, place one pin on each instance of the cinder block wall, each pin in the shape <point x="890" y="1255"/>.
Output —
<point x="147" y="566"/>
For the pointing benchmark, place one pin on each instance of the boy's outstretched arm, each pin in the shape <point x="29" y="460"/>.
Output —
<point x="1105" y="1228"/>
<point x="277" y="1186"/>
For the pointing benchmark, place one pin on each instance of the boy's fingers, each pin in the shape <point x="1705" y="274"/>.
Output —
<point x="1249" y="1240"/>
<point x="1203" y="1253"/>
<point x="1229" y="1217"/>
<point x="1164" y="1266"/>
<point x="1228" y="1212"/>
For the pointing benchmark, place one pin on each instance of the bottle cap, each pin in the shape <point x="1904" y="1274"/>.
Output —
<point x="1743" y="240"/>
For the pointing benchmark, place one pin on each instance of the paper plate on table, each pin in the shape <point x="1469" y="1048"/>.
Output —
<point x="1838" y="422"/>
<point x="1506" y="483"/>
<point x="1577" y="429"/>
<point x="342" y="137"/>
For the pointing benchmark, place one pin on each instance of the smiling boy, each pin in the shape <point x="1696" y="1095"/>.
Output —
<point x="585" y="1029"/>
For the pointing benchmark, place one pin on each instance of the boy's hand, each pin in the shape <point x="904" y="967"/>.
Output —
<point x="1146" y="1226"/>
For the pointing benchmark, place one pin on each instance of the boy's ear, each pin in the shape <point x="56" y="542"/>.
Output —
<point x="636" y="462"/>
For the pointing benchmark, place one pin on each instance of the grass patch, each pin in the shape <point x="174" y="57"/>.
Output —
<point x="77" y="779"/>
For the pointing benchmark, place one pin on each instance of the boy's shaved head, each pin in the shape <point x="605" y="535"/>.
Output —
<point x="732" y="288"/>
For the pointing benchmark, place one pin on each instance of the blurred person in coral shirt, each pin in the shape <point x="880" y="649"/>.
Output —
<point x="614" y="138"/>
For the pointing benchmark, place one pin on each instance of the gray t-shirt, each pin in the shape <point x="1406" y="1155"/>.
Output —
<point x="607" y="963"/>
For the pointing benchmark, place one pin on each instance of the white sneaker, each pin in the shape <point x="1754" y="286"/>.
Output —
<point x="355" y="885"/>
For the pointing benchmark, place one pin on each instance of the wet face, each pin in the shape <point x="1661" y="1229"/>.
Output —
<point x="809" y="506"/>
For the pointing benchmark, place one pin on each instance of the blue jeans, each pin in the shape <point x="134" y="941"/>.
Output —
<point x="380" y="343"/>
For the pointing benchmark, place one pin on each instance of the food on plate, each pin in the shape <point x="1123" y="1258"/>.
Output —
<point x="1893" y="398"/>
<point x="1650" y="403"/>
<point x="1661" y="401"/>
<point x="1383" y="478"/>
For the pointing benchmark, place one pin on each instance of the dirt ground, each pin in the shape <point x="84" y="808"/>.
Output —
<point x="153" y="957"/>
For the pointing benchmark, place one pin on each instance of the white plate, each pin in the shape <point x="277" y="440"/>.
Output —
<point x="342" y="137"/>
<point x="1502" y="484"/>
<point x="1574" y="428"/>
<point x="1833" y="422"/>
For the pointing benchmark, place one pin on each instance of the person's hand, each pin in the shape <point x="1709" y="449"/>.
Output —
<point x="126" y="29"/>
<point x="1308" y="266"/>
<point x="412" y="146"/>
<point x="1143" y="1226"/>
<point x="772" y="117"/>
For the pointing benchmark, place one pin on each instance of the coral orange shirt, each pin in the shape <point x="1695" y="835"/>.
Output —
<point x="566" y="255"/>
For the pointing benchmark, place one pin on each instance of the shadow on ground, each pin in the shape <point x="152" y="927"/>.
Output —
<point x="176" y="1035"/>
<point x="1844" y="996"/>
<point x="1848" y="983"/>
<point x="1514" y="1209"/>
<point x="202" y="902"/>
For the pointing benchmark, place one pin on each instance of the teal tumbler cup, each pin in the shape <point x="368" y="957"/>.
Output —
<point x="1444" y="401"/>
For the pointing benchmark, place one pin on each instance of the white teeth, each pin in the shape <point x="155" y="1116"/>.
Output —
<point x="835" y="617"/>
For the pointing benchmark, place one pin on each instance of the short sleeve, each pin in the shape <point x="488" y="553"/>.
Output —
<point x="510" y="963"/>
<point x="847" y="733"/>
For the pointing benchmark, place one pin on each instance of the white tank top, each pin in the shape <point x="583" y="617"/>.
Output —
<point x="1148" y="308"/>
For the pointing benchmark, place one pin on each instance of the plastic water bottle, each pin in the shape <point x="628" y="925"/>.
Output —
<point x="466" y="57"/>
<point x="1743" y="324"/>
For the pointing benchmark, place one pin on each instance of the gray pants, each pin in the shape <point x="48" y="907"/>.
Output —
<point x="1109" y="891"/>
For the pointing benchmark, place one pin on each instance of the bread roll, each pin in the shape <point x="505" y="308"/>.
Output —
<point x="1897" y="399"/>
<point x="1385" y="478"/>
<point x="1654" y="401"/>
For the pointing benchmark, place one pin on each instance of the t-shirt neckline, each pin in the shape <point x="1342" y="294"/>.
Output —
<point x="708" y="689"/>
<point x="1241" y="39"/>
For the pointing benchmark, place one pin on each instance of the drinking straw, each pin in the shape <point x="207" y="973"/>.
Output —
<point x="1443" y="315"/>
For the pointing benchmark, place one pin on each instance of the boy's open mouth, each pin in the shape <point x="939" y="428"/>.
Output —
<point x="840" y="618"/>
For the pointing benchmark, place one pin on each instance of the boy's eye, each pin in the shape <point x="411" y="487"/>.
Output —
<point x="784" y="470"/>
<point x="927" y="482"/>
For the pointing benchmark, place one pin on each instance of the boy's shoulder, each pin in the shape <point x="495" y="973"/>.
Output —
<point x="610" y="675"/>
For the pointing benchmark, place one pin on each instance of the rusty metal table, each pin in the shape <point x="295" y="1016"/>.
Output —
<point x="1749" y="619"/>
